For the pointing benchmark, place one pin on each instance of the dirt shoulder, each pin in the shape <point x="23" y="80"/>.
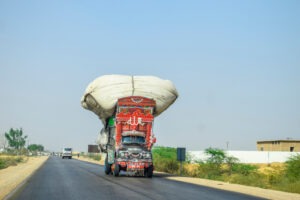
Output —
<point x="13" y="176"/>
<point x="101" y="162"/>
<point x="254" y="191"/>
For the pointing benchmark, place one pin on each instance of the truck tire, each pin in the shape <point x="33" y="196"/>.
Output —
<point x="150" y="171"/>
<point x="117" y="170"/>
<point x="107" y="167"/>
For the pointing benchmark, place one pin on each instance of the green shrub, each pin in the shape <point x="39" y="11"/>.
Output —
<point x="3" y="164"/>
<point x="285" y="184"/>
<point x="231" y="161"/>
<point x="293" y="168"/>
<point x="171" y="166"/>
<point x="10" y="161"/>
<point x="275" y="177"/>
<point x="19" y="159"/>
<point x="221" y="167"/>
<point x="255" y="179"/>
<point x="94" y="156"/>
<point x="244" y="169"/>
<point x="165" y="159"/>
<point x="216" y="156"/>
<point x="165" y="152"/>
<point x="209" y="170"/>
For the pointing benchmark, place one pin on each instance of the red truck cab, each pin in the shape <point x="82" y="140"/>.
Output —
<point x="134" y="138"/>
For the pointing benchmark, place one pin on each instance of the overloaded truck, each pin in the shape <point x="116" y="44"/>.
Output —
<point x="127" y="106"/>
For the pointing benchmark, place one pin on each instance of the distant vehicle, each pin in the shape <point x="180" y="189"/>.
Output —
<point x="66" y="153"/>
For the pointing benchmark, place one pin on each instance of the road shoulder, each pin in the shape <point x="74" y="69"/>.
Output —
<point x="253" y="191"/>
<point x="13" y="177"/>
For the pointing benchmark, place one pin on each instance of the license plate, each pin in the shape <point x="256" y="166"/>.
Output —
<point x="136" y="165"/>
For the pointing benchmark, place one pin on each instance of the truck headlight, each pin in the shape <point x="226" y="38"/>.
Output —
<point x="147" y="155"/>
<point x="126" y="154"/>
<point x="123" y="154"/>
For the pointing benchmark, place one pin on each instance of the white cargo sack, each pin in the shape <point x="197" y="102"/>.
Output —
<point x="102" y="94"/>
<point x="102" y="140"/>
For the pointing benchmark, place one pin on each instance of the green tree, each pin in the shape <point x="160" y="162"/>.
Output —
<point x="213" y="165"/>
<point x="35" y="147"/>
<point x="216" y="156"/>
<point x="15" y="139"/>
<point x="231" y="161"/>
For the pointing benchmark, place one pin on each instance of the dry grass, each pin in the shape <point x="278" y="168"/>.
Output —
<point x="87" y="159"/>
<point x="12" y="176"/>
<point x="262" y="168"/>
<point x="191" y="169"/>
<point x="271" y="168"/>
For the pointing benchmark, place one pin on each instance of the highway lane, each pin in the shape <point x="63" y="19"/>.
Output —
<point x="73" y="179"/>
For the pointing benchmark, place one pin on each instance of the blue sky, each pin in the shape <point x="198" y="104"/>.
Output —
<point x="236" y="65"/>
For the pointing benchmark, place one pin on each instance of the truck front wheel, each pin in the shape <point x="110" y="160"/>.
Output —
<point x="107" y="167"/>
<point x="149" y="172"/>
<point x="117" y="170"/>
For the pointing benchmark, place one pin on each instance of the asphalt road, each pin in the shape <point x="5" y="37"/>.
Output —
<point x="72" y="179"/>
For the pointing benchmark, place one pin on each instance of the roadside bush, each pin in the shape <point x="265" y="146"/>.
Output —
<point x="216" y="164"/>
<point x="255" y="179"/>
<point x="286" y="185"/>
<point x="171" y="166"/>
<point x="216" y="157"/>
<point x="191" y="170"/>
<point x="222" y="167"/>
<point x="244" y="169"/>
<point x="287" y="180"/>
<point x="10" y="161"/>
<point x="165" y="159"/>
<point x="209" y="171"/>
<point x="231" y="161"/>
<point x="293" y="168"/>
<point x="164" y="152"/>
<point x="275" y="175"/>
<point x="94" y="156"/>
<point x="2" y="163"/>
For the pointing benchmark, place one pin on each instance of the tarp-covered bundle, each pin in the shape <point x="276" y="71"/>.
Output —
<point x="102" y="94"/>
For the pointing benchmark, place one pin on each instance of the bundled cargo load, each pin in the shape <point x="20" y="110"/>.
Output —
<point x="102" y="94"/>
<point x="127" y="106"/>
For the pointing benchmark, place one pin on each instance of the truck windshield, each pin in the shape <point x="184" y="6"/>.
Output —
<point x="68" y="149"/>
<point x="133" y="139"/>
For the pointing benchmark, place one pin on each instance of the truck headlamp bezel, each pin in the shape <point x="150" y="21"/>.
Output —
<point x="147" y="155"/>
<point x="123" y="154"/>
